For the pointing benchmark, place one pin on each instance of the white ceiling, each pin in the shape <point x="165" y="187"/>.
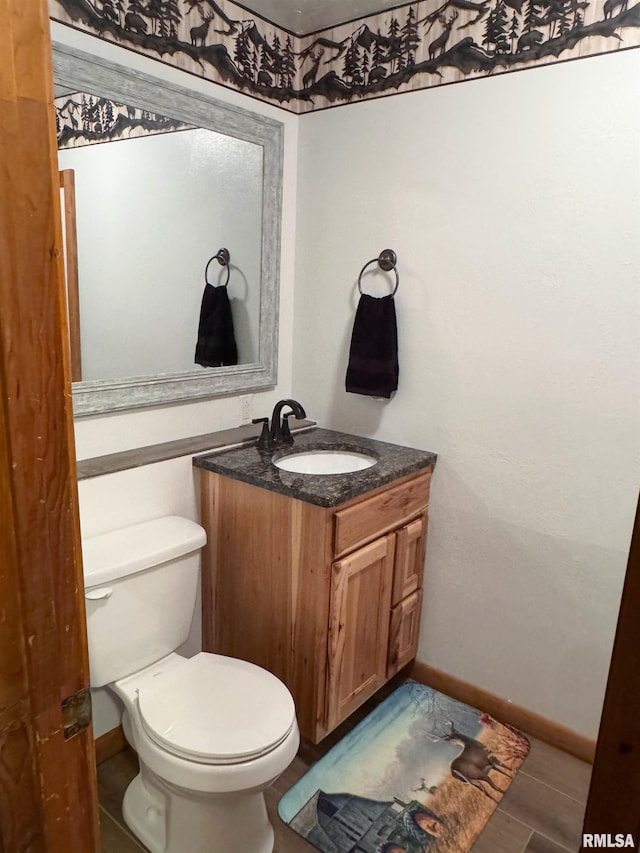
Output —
<point x="306" y="16"/>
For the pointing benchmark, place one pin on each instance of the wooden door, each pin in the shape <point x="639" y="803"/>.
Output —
<point x="359" y="626"/>
<point x="613" y="805"/>
<point x="48" y="790"/>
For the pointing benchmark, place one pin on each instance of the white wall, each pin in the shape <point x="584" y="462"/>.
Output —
<point x="513" y="205"/>
<point x="171" y="487"/>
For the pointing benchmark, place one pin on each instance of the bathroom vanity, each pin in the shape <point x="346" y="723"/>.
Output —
<point x="317" y="578"/>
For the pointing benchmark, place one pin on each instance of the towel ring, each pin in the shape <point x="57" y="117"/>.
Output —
<point x="386" y="260"/>
<point x="222" y="257"/>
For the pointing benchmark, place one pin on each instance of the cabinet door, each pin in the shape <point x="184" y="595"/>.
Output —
<point x="359" y="627"/>
<point x="411" y="542"/>
<point x="404" y="629"/>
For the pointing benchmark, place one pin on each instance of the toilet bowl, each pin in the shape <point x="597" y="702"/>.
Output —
<point x="211" y="732"/>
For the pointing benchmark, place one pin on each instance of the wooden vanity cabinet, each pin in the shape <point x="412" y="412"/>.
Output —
<point x="328" y="599"/>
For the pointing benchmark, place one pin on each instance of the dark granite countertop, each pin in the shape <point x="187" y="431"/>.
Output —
<point x="254" y="466"/>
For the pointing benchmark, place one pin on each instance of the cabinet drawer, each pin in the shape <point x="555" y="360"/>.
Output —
<point x="365" y="521"/>
<point x="404" y="630"/>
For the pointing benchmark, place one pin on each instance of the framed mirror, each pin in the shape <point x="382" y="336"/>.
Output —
<point x="165" y="177"/>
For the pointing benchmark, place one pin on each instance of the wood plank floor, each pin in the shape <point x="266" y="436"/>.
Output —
<point x="542" y="811"/>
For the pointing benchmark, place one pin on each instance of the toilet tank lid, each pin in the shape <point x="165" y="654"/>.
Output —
<point x="118" y="553"/>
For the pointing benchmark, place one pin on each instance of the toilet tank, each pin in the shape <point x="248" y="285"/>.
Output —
<point x="141" y="584"/>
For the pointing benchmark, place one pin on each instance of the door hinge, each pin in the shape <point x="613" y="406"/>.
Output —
<point x="76" y="712"/>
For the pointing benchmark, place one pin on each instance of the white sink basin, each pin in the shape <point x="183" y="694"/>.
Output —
<point x="325" y="462"/>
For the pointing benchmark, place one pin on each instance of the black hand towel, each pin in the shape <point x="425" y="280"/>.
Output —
<point x="373" y="355"/>
<point x="216" y="344"/>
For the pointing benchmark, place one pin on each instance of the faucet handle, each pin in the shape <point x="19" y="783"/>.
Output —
<point x="264" y="442"/>
<point x="287" y="438"/>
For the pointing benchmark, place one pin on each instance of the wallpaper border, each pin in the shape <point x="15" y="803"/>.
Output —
<point x="412" y="47"/>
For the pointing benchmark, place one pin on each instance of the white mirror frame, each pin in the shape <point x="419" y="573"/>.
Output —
<point x="83" y="72"/>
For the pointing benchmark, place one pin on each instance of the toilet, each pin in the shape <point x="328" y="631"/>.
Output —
<point x="212" y="733"/>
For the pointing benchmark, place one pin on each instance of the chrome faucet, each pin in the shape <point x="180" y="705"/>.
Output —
<point x="279" y="433"/>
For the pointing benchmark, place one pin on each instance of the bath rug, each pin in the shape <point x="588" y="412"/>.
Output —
<point x="421" y="773"/>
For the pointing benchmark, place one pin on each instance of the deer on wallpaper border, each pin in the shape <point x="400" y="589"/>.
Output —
<point x="199" y="34"/>
<point x="310" y="77"/>
<point x="440" y="43"/>
<point x="475" y="762"/>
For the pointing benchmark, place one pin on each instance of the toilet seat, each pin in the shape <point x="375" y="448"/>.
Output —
<point x="216" y="710"/>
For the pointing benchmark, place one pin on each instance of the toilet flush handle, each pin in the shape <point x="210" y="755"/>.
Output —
<point x="99" y="593"/>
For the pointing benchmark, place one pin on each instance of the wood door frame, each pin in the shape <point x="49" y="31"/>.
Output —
<point x="48" y="787"/>
<point x="613" y="805"/>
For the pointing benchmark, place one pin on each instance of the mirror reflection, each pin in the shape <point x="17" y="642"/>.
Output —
<point x="157" y="178"/>
<point x="155" y="198"/>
